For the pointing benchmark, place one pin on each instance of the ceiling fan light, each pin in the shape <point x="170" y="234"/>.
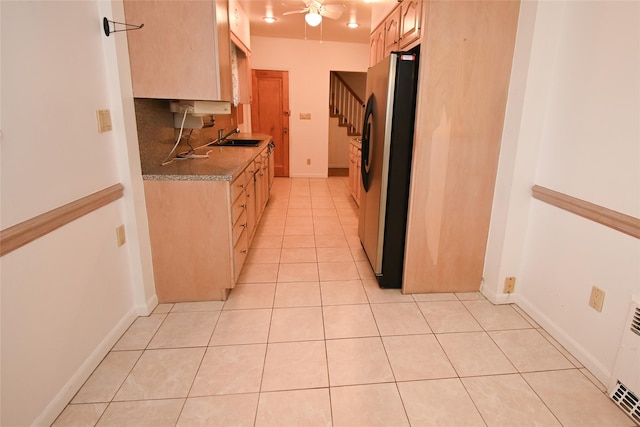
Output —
<point x="313" y="19"/>
<point x="269" y="19"/>
<point x="352" y="25"/>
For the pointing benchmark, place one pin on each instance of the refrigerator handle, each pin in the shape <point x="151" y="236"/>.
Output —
<point x="366" y="134"/>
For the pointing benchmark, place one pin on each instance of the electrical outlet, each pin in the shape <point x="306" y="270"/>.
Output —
<point x="120" y="236"/>
<point x="597" y="298"/>
<point x="308" y="162"/>
<point x="509" y="285"/>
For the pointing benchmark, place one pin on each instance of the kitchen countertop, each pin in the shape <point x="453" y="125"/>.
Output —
<point x="223" y="163"/>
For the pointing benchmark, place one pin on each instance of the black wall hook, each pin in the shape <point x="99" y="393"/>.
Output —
<point x="107" y="30"/>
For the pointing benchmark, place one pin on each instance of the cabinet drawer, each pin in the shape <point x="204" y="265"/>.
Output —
<point x="240" y="251"/>
<point x="249" y="171"/>
<point x="239" y="206"/>
<point x="237" y="187"/>
<point x="239" y="227"/>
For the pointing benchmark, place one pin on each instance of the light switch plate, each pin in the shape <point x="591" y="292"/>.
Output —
<point x="305" y="116"/>
<point x="104" y="120"/>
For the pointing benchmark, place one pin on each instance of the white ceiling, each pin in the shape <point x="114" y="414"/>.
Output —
<point x="294" y="27"/>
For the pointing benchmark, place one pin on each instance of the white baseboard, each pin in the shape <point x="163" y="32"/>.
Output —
<point x="587" y="359"/>
<point x="148" y="307"/>
<point x="318" y="175"/>
<point x="59" y="402"/>
<point x="497" y="298"/>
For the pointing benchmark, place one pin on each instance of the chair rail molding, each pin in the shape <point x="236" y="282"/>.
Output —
<point x="618" y="221"/>
<point x="27" y="231"/>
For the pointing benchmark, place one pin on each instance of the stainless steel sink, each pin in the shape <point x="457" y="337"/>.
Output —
<point x="241" y="143"/>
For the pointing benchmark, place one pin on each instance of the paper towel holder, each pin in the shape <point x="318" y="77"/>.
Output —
<point x="108" y="30"/>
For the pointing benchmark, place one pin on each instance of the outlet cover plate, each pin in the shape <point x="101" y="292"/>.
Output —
<point x="597" y="298"/>
<point x="120" y="235"/>
<point x="509" y="285"/>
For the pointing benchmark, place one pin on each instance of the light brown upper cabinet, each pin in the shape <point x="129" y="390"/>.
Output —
<point x="182" y="52"/>
<point x="376" y="46"/>
<point x="410" y="12"/>
<point x="240" y="52"/>
<point x="239" y="23"/>
<point x="400" y="30"/>
<point x="392" y="32"/>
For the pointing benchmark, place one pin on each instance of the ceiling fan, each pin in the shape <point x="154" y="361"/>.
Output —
<point x="315" y="11"/>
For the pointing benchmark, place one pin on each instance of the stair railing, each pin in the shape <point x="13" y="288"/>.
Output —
<point x="346" y="105"/>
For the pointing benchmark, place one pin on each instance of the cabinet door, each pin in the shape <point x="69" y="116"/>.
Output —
<point x="174" y="55"/>
<point x="243" y="65"/>
<point x="410" y="19"/>
<point x="392" y="32"/>
<point x="352" y="170"/>
<point x="357" y="183"/>
<point x="240" y="251"/>
<point x="239" y="23"/>
<point x="376" y="46"/>
<point x="272" y="168"/>
<point x="259" y="192"/>
<point x="264" y="179"/>
<point x="251" y="200"/>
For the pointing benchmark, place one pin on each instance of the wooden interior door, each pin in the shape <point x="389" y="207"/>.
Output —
<point x="270" y="113"/>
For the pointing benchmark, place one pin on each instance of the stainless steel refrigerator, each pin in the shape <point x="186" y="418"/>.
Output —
<point x="387" y="145"/>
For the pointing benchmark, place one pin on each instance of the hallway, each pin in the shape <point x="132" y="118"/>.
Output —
<point x="307" y="338"/>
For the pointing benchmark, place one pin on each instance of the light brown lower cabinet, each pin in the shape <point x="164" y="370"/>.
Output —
<point x="200" y="234"/>
<point x="354" y="172"/>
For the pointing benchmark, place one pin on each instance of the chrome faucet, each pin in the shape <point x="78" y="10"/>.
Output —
<point x="222" y="137"/>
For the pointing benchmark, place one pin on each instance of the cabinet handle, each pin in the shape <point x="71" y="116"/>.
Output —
<point x="243" y="206"/>
<point x="244" y="225"/>
<point x="244" y="251"/>
<point x="241" y="186"/>
<point x="248" y="195"/>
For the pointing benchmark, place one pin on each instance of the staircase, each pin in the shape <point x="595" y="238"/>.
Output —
<point x="345" y="105"/>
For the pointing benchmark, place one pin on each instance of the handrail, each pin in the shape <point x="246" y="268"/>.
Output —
<point x="27" y="231"/>
<point x="346" y="85"/>
<point x="345" y="104"/>
<point x="618" y="221"/>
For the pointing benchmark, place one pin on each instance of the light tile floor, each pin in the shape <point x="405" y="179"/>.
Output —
<point x="307" y="338"/>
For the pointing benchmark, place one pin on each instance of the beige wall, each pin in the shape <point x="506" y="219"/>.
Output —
<point x="572" y="126"/>
<point x="308" y="63"/>
<point x="68" y="296"/>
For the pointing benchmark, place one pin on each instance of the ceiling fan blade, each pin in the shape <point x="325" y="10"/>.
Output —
<point x="291" y="12"/>
<point x="333" y="11"/>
